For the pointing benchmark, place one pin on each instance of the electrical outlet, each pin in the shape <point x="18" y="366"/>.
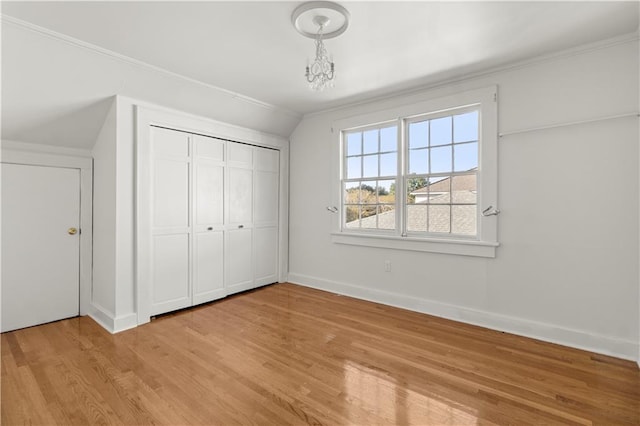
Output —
<point x="387" y="266"/>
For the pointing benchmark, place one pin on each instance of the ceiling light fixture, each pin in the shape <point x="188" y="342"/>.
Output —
<point x="320" y="20"/>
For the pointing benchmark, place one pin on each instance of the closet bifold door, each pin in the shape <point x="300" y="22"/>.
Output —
<point x="208" y="219"/>
<point x="170" y="222"/>
<point x="266" y="202"/>
<point x="239" y="228"/>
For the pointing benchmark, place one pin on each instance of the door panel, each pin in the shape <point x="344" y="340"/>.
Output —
<point x="266" y="255"/>
<point x="266" y="198"/>
<point x="240" y="196"/>
<point x="172" y="143"/>
<point x="240" y="155"/>
<point x="171" y="193"/>
<point x="209" y="193"/>
<point x="208" y="280"/>
<point x="209" y="148"/>
<point x="170" y="277"/>
<point x="267" y="160"/>
<point x="240" y="262"/>
<point x="40" y="259"/>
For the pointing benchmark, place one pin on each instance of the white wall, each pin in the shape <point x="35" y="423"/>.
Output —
<point x="104" y="224"/>
<point x="567" y="267"/>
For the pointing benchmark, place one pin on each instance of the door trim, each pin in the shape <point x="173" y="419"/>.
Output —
<point x="85" y="165"/>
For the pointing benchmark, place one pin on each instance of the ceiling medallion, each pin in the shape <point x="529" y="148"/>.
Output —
<point x="320" y="20"/>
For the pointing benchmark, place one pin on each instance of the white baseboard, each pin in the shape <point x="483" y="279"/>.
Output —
<point x="579" y="339"/>
<point x="111" y="323"/>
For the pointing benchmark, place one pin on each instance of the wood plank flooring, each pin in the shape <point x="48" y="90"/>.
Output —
<point x="286" y="354"/>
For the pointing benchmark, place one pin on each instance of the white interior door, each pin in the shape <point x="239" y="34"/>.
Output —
<point x="266" y="202"/>
<point x="40" y="250"/>
<point x="208" y="221"/>
<point x="171" y="236"/>
<point x="240" y="213"/>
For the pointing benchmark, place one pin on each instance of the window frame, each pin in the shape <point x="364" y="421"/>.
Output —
<point x="406" y="174"/>
<point x="362" y="179"/>
<point x="482" y="244"/>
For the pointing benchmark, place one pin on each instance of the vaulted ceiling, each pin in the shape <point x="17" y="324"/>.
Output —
<point x="243" y="62"/>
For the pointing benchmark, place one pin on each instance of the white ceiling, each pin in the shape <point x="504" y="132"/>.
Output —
<point x="252" y="49"/>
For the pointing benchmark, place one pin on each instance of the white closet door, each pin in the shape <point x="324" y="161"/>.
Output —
<point x="208" y="229"/>
<point x="40" y="244"/>
<point x="171" y="242"/>
<point x="240" y="213"/>
<point x="266" y="202"/>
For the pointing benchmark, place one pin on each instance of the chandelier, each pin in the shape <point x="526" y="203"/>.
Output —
<point x="320" y="74"/>
<point x="320" y="20"/>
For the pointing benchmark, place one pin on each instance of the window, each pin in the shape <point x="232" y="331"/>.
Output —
<point x="371" y="167"/>
<point x="441" y="174"/>
<point x="416" y="177"/>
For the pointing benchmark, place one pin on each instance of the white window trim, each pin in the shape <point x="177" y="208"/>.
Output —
<point x="487" y="238"/>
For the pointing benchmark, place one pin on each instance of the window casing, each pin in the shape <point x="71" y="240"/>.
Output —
<point x="417" y="177"/>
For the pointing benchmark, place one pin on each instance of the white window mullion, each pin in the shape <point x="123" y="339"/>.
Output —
<point x="401" y="193"/>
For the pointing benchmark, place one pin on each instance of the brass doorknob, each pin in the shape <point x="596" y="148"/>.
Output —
<point x="72" y="231"/>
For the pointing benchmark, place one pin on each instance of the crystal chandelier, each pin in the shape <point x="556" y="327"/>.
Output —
<point x="320" y="20"/>
<point x="321" y="72"/>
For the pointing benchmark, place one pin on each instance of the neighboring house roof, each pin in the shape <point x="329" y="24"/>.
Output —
<point x="462" y="183"/>
<point x="464" y="219"/>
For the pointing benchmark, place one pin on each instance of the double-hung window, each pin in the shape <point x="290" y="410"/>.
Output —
<point x="418" y="177"/>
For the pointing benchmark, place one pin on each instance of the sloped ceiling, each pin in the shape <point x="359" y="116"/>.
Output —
<point x="243" y="63"/>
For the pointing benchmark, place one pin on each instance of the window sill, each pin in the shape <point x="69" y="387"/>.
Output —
<point x="431" y="245"/>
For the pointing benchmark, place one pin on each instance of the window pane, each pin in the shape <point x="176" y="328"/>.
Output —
<point x="419" y="134"/>
<point x="386" y="217"/>
<point x="387" y="191"/>
<point x="465" y="127"/>
<point x="463" y="189"/>
<point x="354" y="147"/>
<point x="368" y="193"/>
<point x="353" y="167"/>
<point x="417" y="218"/>
<point x="388" y="164"/>
<point x="352" y="216"/>
<point x="417" y="190"/>
<point x="370" y="141"/>
<point x="389" y="139"/>
<point x="441" y="131"/>
<point x="419" y="161"/>
<point x="441" y="159"/>
<point x="465" y="156"/>
<point x="352" y="193"/>
<point x="440" y="190"/>
<point x="370" y="165"/>
<point x="370" y="222"/>
<point x="368" y="211"/>
<point x="439" y="218"/>
<point x="464" y="220"/>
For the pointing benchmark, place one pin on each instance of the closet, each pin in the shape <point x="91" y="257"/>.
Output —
<point x="214" y="218"/>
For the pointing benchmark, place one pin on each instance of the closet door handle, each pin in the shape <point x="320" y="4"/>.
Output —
<point x="210" y="228"/>
<point x="240" y="226"/>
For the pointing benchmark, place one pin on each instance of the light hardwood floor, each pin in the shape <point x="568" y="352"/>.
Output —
<point x="286" y="354"/>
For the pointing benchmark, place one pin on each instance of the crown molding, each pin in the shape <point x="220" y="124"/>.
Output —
<point x="6" y="19"/>
<point x="421" y="89"/>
